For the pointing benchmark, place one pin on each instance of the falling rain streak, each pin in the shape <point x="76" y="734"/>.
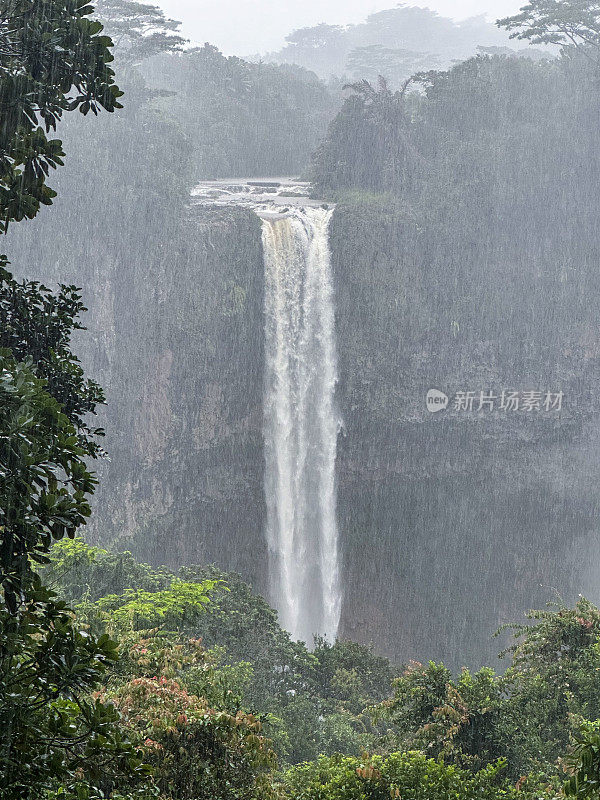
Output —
<point x="300" y="424"/>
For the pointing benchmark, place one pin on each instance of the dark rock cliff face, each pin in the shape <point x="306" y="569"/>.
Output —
<point x="175" y="337"/>
<point x="185" y="479"/>
<point x="450" y="523"/>
<point x="456" y="522"/>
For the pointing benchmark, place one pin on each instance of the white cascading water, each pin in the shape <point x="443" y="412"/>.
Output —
<point x="300" y="424"/>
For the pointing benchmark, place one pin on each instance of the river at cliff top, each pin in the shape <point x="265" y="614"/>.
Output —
<point x="257" y="194"/>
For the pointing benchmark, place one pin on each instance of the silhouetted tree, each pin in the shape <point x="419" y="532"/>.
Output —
<point x="558" y="22"/>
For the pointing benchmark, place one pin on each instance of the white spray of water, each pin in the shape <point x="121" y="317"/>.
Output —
<point x="300" y="424"/>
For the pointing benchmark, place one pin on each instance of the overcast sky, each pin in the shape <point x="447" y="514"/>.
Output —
<point x="244" y="27"/>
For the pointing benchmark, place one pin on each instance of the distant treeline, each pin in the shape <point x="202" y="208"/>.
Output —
<point x="394" y="43"/>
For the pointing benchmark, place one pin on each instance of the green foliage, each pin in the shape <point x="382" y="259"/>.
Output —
<point x="309" y="703"/>
<point x="408" y="775"/>
<point x="554" y="678"/>
<point x="553" y="684"/>
<point x="584" y="764"/>
<point x="478" y="734"/>
<point x="37" y="325"/>
<point x="83" y="572"/>
<point x="53" y="60"/>
<point x="223" y="685"/>
<point x="177" y="702"/>
<point x="44" y="482"/>
<point x="246" y="626"/>
<point x="465" y="720"/>
<point x="351" y="674"/>
<point x="55" y="737"/>
<point x="335" y="699"/>
<point x="197" y="753"/>
<point x="48" y="667"/>
<point x="175" y="608"/>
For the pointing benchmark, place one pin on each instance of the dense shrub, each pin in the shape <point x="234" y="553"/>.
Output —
<point x="412" y="776"/>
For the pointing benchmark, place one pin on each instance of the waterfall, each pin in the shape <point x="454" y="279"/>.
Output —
<point x="300" y="424"/>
